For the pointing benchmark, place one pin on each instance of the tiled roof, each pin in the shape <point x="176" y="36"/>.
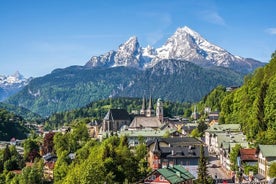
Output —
<point x="248" y="154"/>
<point x="268" y="150"/>
<point x="117" y="114"/>
<point x="176" y="174"/>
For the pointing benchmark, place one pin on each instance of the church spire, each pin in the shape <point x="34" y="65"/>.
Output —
<point x="150" y="104"/>
<point x="142" y="111"/>
<point x="150" y="110"/>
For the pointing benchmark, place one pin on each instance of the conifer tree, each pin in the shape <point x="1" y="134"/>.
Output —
<point x="202" y="168"/>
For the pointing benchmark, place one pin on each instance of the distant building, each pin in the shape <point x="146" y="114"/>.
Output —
<point x="231" y="88"/>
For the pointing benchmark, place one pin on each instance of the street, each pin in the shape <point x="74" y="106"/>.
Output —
<point x="215" y="169"/>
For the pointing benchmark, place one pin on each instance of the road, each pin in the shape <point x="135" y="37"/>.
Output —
<point x="217" y="170"/>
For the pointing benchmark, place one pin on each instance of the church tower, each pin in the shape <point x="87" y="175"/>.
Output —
<point x="150" y="110"/>
<point x="143" y="109"/>
<point x="159" y="110"/>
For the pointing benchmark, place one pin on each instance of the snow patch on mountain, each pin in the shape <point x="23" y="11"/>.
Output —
<point x="184" y="44"/>
<point x="11" y="84"/>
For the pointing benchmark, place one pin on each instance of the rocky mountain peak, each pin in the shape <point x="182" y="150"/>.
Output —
<point x="11" y="84"/>
<point x="185" y="44"/>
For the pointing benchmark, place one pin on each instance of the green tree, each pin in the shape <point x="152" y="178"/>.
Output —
<point x="31" y="149"/>
<point x="233" y="157"/>
<point x="195" y="133"/>
<point x="61" y="166"/>
<point x="6" y="154"/>
<point x="253" y="168"/>
<point x="203" y="176"/>
<point x="272" y="170"/>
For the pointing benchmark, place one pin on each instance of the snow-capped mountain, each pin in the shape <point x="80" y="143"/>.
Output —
<point x="11" y="84"/>
<point x="184" y="44"/>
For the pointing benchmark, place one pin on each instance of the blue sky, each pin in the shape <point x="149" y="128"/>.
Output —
<point x="39" y="36"/>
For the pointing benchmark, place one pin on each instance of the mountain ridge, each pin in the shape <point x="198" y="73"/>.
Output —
<point x="76" y="86"/>
<point x="184" y="44"/>
<point x="11" y="84"/>
<point x="168" y="72"/>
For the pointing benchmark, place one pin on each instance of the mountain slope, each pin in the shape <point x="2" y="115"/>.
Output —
<point x="185" y="44"/>
<point x="11" y="126"/>
<point x="254" y="105"/>
<point x="11" y="84"/>
<point x="76" y="86"/>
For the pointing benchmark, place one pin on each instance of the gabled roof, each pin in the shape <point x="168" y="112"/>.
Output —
<point x="248" y="154"/>
<point x="268" y="150"/>
<point x="156" y="147"/>
<point x="117" y="114"/>
<point x="145" y="122"/>
<point x="176" y="174"/>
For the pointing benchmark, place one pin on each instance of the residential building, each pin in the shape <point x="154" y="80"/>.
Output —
<point x="267" y="155"/>
<point x="212" y="132"/>
<point x="183" y="151"/>
<point x="247" y="156"/>
<point x="175" y="174"/>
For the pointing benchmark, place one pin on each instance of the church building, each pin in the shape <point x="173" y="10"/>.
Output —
<point x="148" y="118"/>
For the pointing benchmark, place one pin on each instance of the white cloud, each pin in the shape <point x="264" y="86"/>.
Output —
<point x="271" y="31"/>
<point x="212" y="17"/>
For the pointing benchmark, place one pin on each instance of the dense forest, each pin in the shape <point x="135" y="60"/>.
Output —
<point x="253" y="105"/>
<point x="22" y="112"/>
<point x="11" y="126"/>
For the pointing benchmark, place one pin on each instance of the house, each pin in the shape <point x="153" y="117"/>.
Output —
<point x="226" y="142"/>
<point x="183" y="151"/>
<point x="247" y="156"/>
<point x="48" y="170"/>
<point x="115" y="119"/>
<point x="188" y="128"/>
<point x="212" y="132"/>
<point x="175" y="174"/>
<point x="213" y="116"/>
<point x="267" y="155"/>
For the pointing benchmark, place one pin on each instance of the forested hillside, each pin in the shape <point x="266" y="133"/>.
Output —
<point x="76" y="86"/>
<point x="11" y="126"/>
<point x="253" y="105"/>
<point x="23" y="112"/>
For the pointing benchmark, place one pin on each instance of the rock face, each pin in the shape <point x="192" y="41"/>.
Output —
<point x="185" y="44"/>
<point x="11" y="84"/>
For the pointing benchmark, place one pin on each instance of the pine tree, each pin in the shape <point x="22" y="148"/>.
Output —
<point x="202" y="168"/>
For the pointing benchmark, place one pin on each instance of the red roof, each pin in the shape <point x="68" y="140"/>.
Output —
<point x="248" y="154"/>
